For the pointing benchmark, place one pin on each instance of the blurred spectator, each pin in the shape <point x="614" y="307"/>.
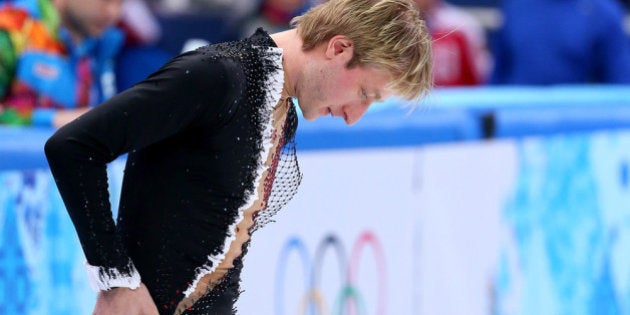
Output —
<point x="187" y="24"/>
<point x="139" y="23"/>
<point x="56" y="58"/>
<point x="460" y="54"/>
<point x="274" y="15"/>
<point x="235" y="9"/>
<point x="141" y="54"/>
<point x="561" y="41"/>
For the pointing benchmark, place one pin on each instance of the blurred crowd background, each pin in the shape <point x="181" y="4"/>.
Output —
<point x="81" y="52"/>
<point x="475" y="41"/>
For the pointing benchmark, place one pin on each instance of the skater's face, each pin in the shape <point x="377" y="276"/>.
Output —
<point x="326" y="86"/>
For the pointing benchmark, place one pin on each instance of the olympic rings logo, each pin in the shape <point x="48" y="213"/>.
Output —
<point x="349" y="298"/>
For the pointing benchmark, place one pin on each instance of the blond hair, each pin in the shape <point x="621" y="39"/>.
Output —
<point x="386" y="34"/>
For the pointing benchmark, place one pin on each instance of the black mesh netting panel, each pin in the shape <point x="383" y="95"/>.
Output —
<point x="280" y="186"/>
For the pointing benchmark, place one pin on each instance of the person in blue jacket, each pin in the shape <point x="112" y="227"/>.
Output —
<point x="545" y="42"/>
<point x="56" y="59"/>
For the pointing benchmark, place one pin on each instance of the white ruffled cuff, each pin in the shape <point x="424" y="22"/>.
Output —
<point x="103" y="278"/>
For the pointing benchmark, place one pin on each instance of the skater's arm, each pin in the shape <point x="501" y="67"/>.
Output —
<point x="187" y="92"/>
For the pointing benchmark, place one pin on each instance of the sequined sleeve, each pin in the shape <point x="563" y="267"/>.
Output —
<point x="187" y="92"/>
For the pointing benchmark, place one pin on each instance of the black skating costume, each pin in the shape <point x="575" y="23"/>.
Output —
<point x="211" y="157"/>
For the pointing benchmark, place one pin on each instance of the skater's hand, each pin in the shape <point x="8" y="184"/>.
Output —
<point x="125" y="301"/>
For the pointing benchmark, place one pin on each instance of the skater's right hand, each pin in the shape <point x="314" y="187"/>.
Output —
<point x="125" y="301"/>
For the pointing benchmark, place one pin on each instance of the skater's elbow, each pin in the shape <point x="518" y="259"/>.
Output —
<point x="55" y="147"/>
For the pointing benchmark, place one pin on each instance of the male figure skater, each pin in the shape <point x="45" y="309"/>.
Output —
<point x="211" y="152"/>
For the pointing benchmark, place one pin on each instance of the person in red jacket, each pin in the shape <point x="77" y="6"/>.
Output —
<point x="460" y="54"/>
